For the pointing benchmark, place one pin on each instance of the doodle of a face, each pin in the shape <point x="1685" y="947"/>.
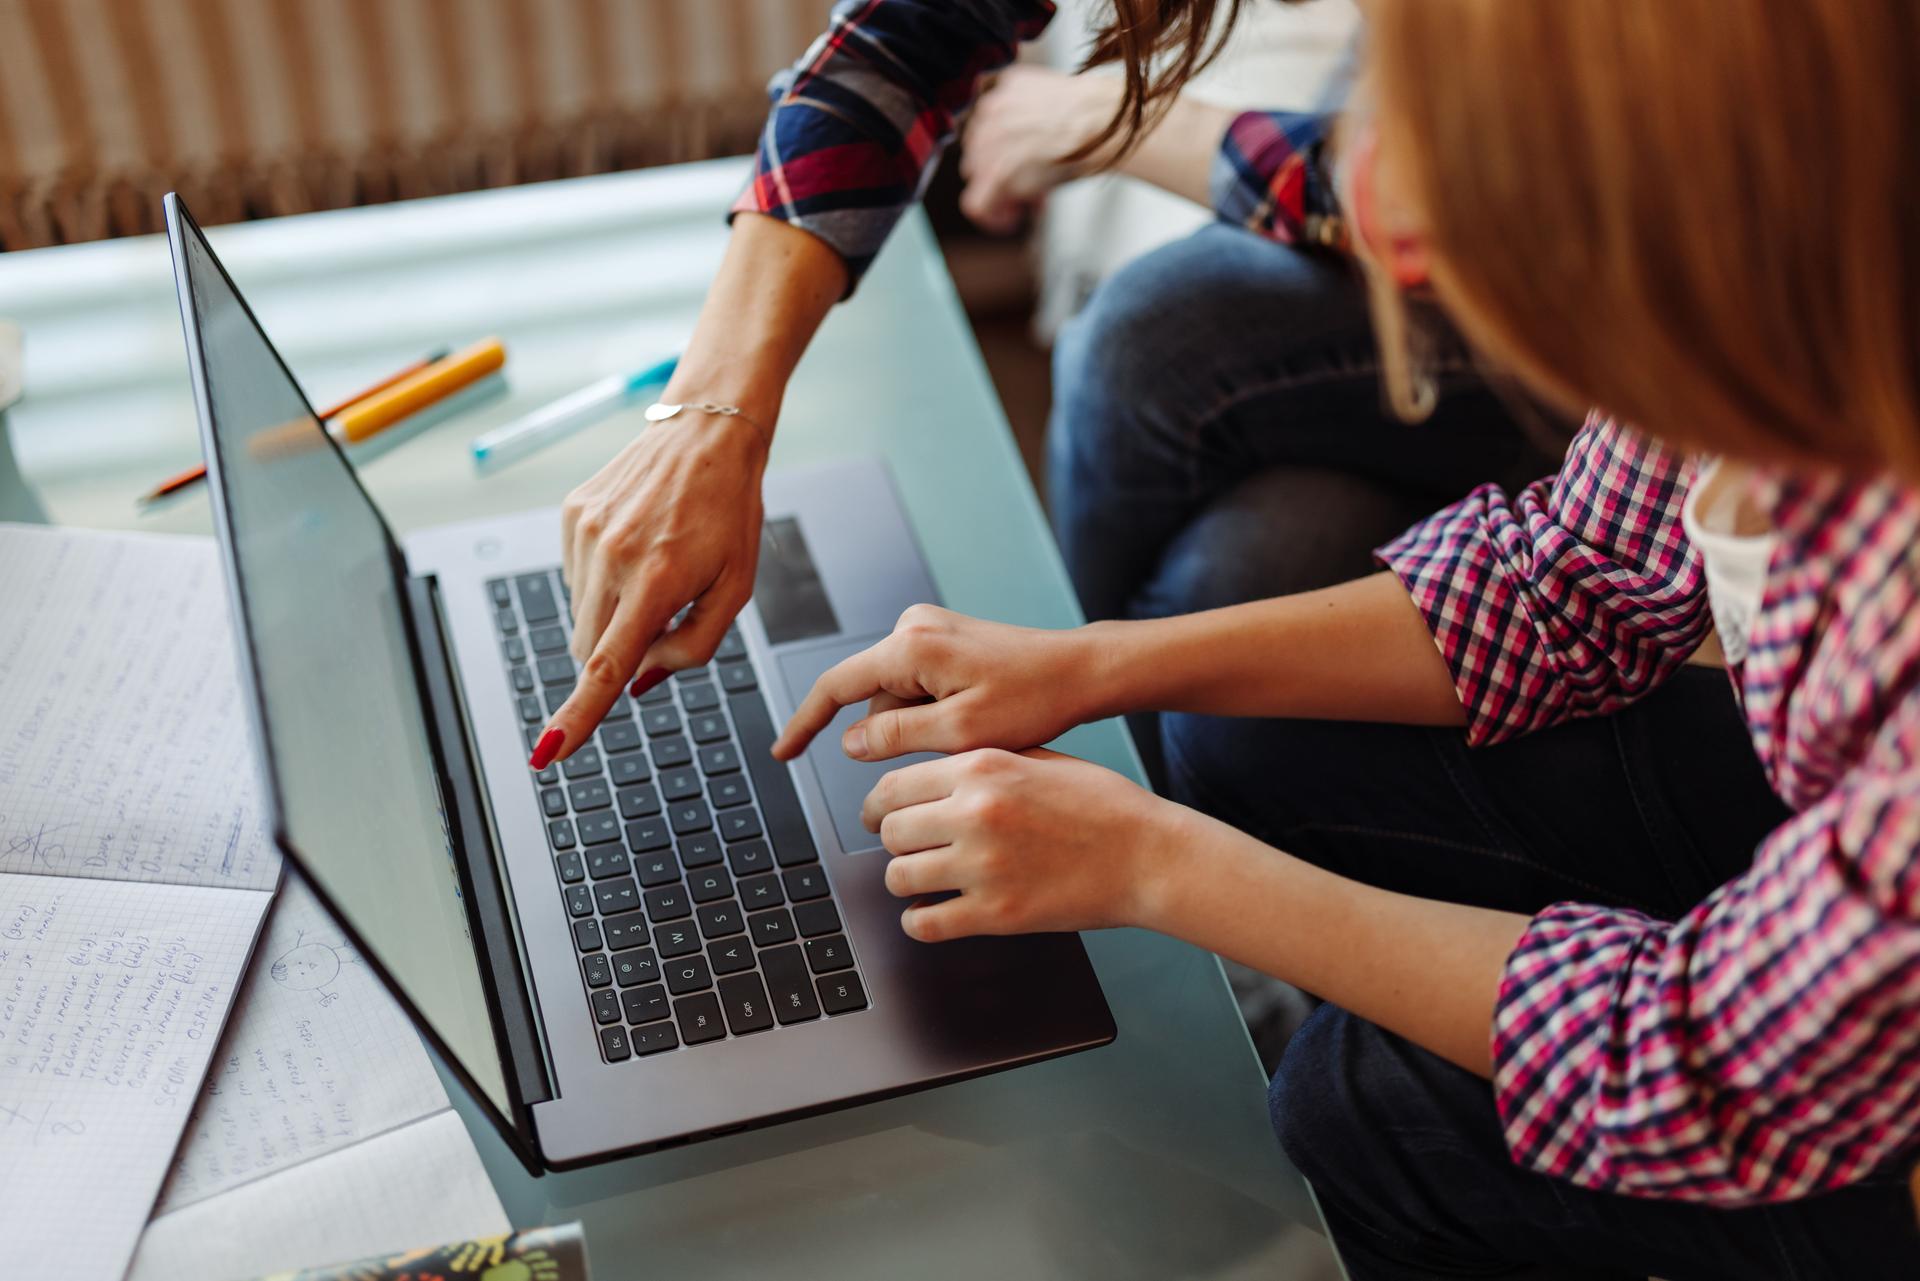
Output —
<point x="306" y="968"/>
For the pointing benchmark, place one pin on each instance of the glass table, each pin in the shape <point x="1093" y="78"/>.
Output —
<point x="1148" y="1158"/>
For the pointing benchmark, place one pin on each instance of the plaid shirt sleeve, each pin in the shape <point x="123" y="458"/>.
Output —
<point x="1571" y="598"/>
<point x="859" y="123"/>
<point x="1764" y="1047"/>
<point x="1268" y="177"/>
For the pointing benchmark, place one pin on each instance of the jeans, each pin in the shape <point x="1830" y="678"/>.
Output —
<point x="1219" y="434"/>
<point x="1651" y="808"/>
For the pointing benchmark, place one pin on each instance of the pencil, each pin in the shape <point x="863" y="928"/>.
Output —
<point x="174" y="484"/>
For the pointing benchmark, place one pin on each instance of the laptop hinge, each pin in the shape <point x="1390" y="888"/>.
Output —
<point x="482" y="880"/>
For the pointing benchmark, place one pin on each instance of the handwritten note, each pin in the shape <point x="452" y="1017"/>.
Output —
<point x="317" y="1056"/>
<point x="112" y="996"/>
<point x="124" y="748"/>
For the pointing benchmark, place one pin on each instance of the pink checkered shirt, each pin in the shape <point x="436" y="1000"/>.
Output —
<point x="1766" y="1045"/>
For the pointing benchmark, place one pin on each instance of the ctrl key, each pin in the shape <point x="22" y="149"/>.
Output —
<point x="841" y="993"/>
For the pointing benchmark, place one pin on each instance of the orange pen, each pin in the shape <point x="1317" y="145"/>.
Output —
<point x="418" y="390"/>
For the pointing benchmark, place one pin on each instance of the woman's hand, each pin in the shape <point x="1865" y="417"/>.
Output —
<point x="943" y="682"/>
<point x="1033" y="841"/>
<point x="1018" y="132"/>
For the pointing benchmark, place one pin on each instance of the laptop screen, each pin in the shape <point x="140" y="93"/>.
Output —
<point x="350" y="770"/>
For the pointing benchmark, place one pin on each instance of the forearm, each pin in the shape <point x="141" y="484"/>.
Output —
<point x="775" y="285"/>
<point x="1427" y="970"/>
<point x="1359" y="651"/>
<point x="1177" y="154"/>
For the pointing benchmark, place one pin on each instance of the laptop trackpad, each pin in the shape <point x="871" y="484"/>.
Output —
<point x="846" y="782"/>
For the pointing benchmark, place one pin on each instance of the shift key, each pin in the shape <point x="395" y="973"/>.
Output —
<point x="789" y="985"/>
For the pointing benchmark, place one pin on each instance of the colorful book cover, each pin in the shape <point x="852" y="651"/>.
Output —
<point x="538" y="1254"/>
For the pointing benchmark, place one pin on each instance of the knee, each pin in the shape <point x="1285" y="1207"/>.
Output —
<point x="1303" y="1103"/>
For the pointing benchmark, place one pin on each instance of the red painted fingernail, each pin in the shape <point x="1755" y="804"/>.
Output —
<point x="647" y="680"/>
<point x="545" y="750"/>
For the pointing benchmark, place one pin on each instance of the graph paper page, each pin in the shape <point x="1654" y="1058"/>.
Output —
<point x="317" y="1056"/>
<point x="111" y="999"/>
<point x="124" y="746"/>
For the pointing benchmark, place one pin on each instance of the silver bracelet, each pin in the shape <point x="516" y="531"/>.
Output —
<point x="659" y="412"/>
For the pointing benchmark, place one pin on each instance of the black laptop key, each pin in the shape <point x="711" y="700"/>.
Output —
<point x="699" y="1018"/>
<point x="579" y="900"/>
<point x="749" y="858"/>
<point x="707" y="727"/>
<point x="669" y="752"/>
<point x="648" y="834"/>
<point x="730" y="956"/>
<point x="632" y="968"/>
<point x="619" y="736"/>
<point x="668" y="903"/>
<point x="690" y="816"/>
<point x="584" y="763"/>
<point x="560" y="833"/>
<point x="739" y="824"/>
<point x="699" y="698"/>
<point x="557" y="669"/>
<point x="717" y="920"/>
<point x="828" y="954"/>
<point x="678" y="939"/>
<point x="646" y="1004"/>
<point x="761" y="891"/>
<point x="805" y="883"/>
<point x="553" y="802"/>
<point x="660" y="721"/>
<point x="737" y="678"/>
<point x="536" y="598"/>
<point x="629" y="769"/>
<point x="680" y="783"/>
<point x="733" y="647"/>
<point x="688" y="974"/>
<point x="816" y="918"/>
<point x="523" y="680"/>
<point x="657" y="868"/>
<point x="532" y="734"/>
<point x="509" y="625"/>
<point x="598" y="827"/>
<point x="572" y="868"/>
<point x="599" y="973"/>
<point x="772" y="782"/>
<point x="768" y="928"/>
<point x="744" y="999"/>
<point x="530" y="712"/>
<point x="627" y="931"/>
<point x="613" y="1044"/>
<point x="616" y="896"/>
<point x="688" y="675"/>
<point x="547" y="640"/>
<point x="607" y="860"/>
<point x="661" y="693"/>
<point x="654" y="1038"/>
<point x="554" y="695"/>
<point x="720" y="758"/>
<point x="548" y="777"/>
<point x="841" y="993"/>
<point x="590" y="795"/>
<point x="789" y="986"/>
<point x="497" y="588"/>
<point x="728" y="792"/>
<point x="709" y="885"/>
<point x="639" y="801"/>
<point x="606" y="1006"/>
<point x="586" y="935"/>
<point x="702" y="849"/>
<point x="516" y="650"/>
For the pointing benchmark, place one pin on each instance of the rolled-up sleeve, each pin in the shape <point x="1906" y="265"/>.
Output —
<point x="859" y="123"/>
<point x="1571" y="598"/>
<point x="1764" y="1047"/>
<point x="1269" y="177"/>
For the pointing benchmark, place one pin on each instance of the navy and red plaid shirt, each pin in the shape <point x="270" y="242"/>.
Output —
<point x="859" y="123"/>
<point x="1766" y="1045"/>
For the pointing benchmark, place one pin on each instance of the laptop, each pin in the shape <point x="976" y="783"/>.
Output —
<point x="670" y="935"/>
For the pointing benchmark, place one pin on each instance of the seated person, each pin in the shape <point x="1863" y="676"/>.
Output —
<point x="1621" y="955"/>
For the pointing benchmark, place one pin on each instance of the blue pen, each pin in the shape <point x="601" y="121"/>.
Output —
<point x="568" y="414"/>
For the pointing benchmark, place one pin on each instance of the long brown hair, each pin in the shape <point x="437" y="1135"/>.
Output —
<point x="1700" y="215"/>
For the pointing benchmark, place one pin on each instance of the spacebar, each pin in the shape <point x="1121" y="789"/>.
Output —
<point x="779" y="804"/>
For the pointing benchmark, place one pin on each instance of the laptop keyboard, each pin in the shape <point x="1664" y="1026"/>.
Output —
<point x="697" y="901"/>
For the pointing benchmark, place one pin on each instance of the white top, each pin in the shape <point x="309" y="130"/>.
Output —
<point x="1736" y="563"/>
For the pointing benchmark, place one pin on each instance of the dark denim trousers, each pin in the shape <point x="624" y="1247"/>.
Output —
<point x="1651" y="808"/>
